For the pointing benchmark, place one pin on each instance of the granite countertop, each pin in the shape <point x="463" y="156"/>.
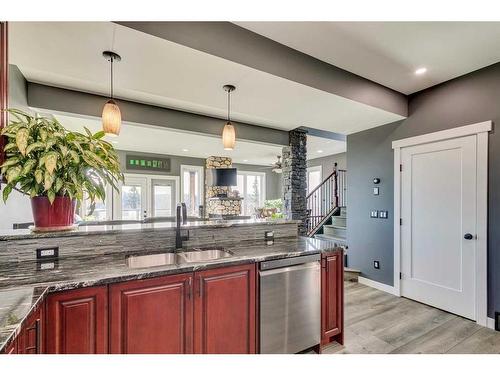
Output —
<point x="23" y="285"/>
<point x="22" y="234"/>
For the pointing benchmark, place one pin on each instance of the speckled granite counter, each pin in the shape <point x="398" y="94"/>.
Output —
<point x="24" y="234"/>
<point x="23" y="285"/>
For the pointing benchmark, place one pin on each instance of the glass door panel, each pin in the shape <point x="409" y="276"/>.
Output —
<point x="134" y="199"/>
<point x="163" y="198"/>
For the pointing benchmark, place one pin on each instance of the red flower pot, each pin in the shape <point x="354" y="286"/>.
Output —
<point x="59" y="215"/>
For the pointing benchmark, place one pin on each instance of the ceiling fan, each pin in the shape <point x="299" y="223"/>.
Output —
<point x="276" y="167"/>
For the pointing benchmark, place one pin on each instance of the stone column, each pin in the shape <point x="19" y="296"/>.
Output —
<point x="295" y="179"/>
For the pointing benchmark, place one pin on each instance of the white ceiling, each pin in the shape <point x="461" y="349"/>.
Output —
<point x="144" y="138"/>
<point x="167" y="74"/>
<point x="390" y="52"/>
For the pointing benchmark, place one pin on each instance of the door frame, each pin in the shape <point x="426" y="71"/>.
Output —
<point x="149" y="187"/>
<point x="480" y="130"/>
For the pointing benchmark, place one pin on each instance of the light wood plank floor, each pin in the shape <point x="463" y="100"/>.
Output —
<point x="378" y="322"/>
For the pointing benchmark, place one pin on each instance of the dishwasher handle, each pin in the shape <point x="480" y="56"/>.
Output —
<point x="313" y="266"/>
<point x="287" y="262"/>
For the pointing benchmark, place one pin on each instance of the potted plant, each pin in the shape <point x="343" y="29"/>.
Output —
<point x="56" y="167"/>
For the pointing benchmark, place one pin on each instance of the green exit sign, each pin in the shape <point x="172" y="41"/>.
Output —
<point x="146" y="163"/>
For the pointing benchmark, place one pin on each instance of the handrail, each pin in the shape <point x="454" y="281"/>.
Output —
<point x="324" y="199"/>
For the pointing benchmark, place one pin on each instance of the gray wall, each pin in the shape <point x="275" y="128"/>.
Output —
<point x="466" y="100"/>
<point x="273" y="180"/>
<point x="327" y="163"/>
<point x="274" y="183"/>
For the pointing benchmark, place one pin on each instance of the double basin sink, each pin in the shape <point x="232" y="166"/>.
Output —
<point x="165" y="259"/>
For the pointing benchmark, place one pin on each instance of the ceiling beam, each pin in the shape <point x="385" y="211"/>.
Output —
<point x="59" y="100"/>
<point x="234" y="43"/>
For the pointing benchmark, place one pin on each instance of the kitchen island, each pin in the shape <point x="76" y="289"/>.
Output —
<point x="87" y="293"/>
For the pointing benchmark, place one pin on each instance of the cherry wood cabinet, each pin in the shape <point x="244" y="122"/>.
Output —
<point x="12" y="348"/>
<point x="152" y="316"/>
<point x="31" y="338"/>
<point x="332" y="298"/>
<point x="77" y="321"/>
<point x="224" y="310"/>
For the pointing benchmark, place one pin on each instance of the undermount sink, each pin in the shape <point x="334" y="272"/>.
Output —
<point x="203" y="255"/>
<point x="166" y="259"/>
<point x="153" y="260"/>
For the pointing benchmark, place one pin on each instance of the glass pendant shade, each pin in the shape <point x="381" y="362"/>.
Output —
<point x="228" y="136"/>
<point x="111" y="118"/>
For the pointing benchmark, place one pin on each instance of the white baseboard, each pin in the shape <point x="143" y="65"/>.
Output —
<point x="375" y="284"/>
<point x="490" y="323"/>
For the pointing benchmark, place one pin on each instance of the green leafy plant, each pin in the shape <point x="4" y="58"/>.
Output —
<point x="45" y="159"/>
<point x="274" y="203"/>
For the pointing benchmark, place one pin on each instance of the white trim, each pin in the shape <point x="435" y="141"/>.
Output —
<point x="490" y="323"/>
<point x="244" y="192"/>
<point x="480" y="127"/>
<point x="481" y="131"/>
<point x="380" y="286"/>
<point x="201" y="181"/>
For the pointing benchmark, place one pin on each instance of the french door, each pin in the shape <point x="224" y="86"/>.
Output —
<point x="140" y="197"/>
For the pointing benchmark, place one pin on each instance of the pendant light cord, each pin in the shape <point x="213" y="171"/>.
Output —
<point x="228" y="105"/>
<point x="111" y="77"/>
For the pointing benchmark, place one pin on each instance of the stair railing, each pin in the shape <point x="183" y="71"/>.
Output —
<point x="325" y="198"/>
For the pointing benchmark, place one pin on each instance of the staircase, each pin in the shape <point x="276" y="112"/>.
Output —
<point x="336" y="227"/>
<point x="324" y="206"/>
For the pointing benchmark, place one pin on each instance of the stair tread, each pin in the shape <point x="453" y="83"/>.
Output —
<point x="330" y="238"/>
<point x="335" y="226"/>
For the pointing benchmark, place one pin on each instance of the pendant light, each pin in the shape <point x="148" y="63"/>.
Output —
<point x="111" y="115"/>
<point x="228" y="134"/>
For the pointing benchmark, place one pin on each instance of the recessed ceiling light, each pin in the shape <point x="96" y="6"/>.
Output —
<point x="185" y="150"/>
<point x="420" y="71"/>
<point x="115" y="142"/>
<point x="320" y="151"/>
<point x="245" y="160"/>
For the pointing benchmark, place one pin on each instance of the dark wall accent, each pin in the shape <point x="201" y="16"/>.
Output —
<point x="469" y="99"/>
<point x="81" y="103"/>
<point x="273" y="180"/>
<point x="295" y="179"/>
<point x="234" y="43"/>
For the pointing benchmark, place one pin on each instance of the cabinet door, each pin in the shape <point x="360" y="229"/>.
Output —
<point x="332" y="296"/>
<point x="31" y="337"/>
<point x="225" y="310"/>
<point x="77" y="321"/>
<point x="152" y="316"/>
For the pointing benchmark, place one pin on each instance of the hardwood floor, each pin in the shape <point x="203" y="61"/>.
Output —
<point x="378" y="322"/>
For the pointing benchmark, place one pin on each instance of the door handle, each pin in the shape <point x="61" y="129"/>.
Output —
<point x="468" y="236"/>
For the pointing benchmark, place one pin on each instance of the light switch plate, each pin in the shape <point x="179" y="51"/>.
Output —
<point x="374" y="214"/>
<point x="376" y="191"/>
<point x="383" y="214"/>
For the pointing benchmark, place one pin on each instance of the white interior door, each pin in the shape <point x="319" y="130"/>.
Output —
<point x="438" y="208"/>
<point x="163" y="197"/>
<point x="133" y="200"/>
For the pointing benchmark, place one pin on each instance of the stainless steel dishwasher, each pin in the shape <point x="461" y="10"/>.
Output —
<point x="290" y="293"/>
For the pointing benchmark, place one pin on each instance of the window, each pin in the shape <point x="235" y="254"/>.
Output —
<point x="102" y="209"/>
<point x="192" y="188"/>
<point x="163" y="197"/>
<point x="252" y="187"/>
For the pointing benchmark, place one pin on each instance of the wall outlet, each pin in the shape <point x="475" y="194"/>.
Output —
<point x="47" y="253"/>
<point x="376" y="264"/>
<point x="374" y="214"/>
